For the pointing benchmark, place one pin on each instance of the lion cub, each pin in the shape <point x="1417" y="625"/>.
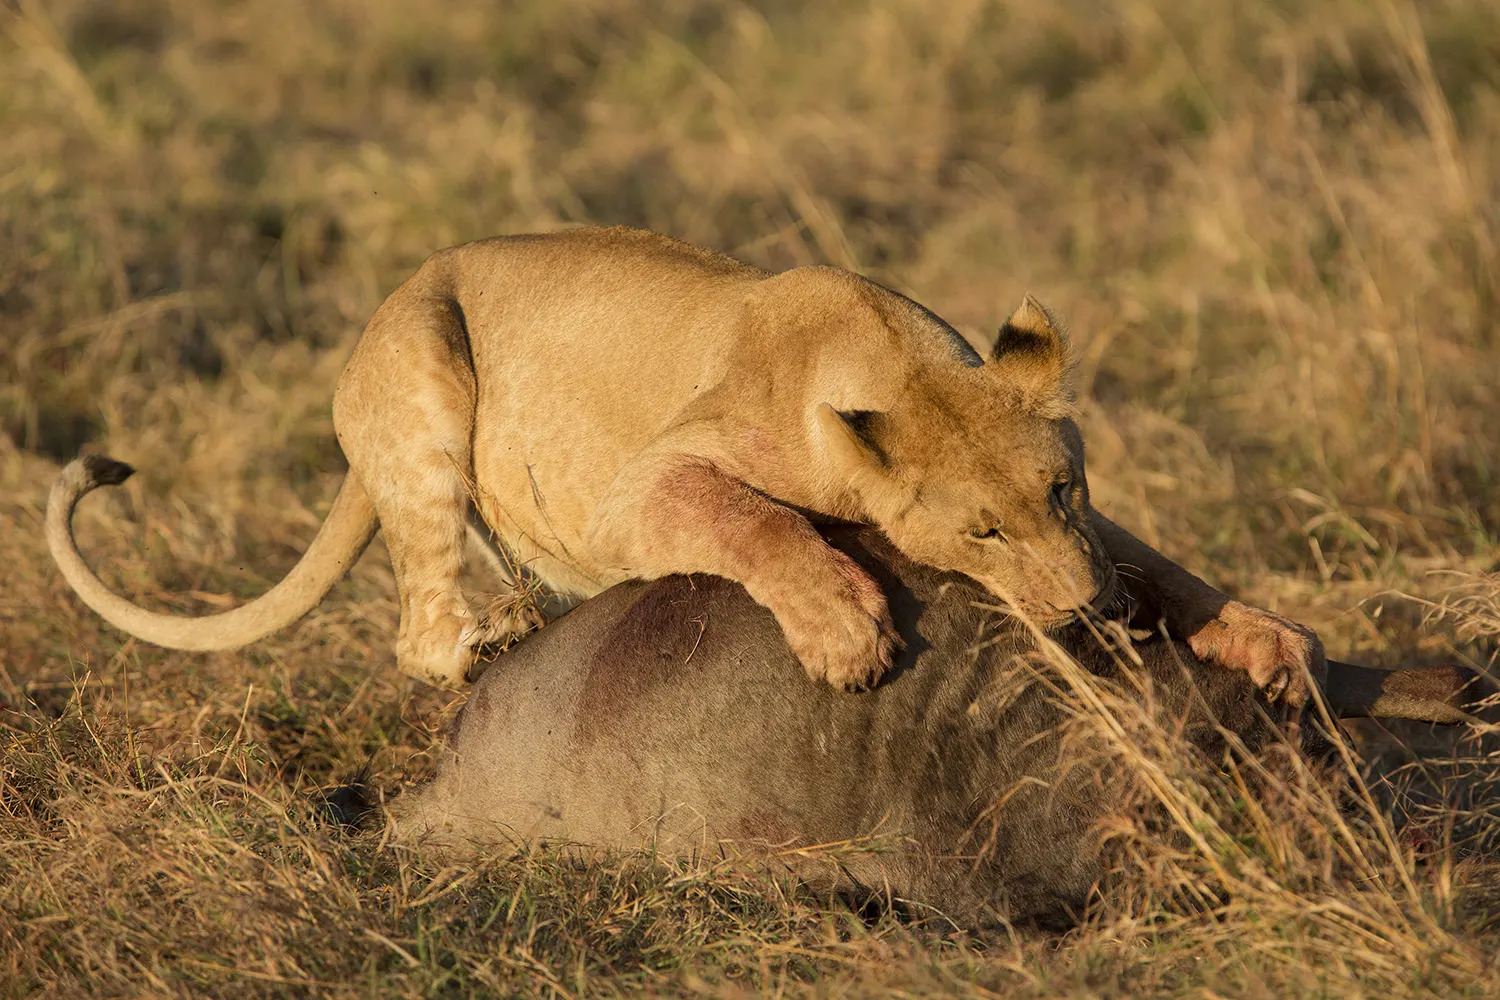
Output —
<point x="618" y="404"/>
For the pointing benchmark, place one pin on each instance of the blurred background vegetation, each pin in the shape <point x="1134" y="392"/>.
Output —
<point x="1273" y="226"/>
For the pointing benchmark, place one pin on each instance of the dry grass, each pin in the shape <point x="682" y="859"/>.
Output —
<point x="1272" y="226"/>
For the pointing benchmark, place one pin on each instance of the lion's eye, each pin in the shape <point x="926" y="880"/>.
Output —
<point x="989" y="535"/>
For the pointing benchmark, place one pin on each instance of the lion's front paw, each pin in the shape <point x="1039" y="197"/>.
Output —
<point x="500" y="620"/>
<point x="496" y="626"/>
<point x="1279" y="655"/>
<point x="844" y="636"/>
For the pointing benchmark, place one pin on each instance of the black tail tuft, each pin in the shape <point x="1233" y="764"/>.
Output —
<point x="104" y="471"/>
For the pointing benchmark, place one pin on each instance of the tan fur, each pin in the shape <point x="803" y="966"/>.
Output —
<point x="619" y="404"/>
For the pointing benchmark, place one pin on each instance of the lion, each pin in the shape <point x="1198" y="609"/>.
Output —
<point x="618" y="404"/>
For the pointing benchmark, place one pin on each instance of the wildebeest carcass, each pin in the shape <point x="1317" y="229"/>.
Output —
<point x="671" y="715"/>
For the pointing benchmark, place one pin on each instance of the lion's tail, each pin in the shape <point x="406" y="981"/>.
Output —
<point x="349" y="527"/>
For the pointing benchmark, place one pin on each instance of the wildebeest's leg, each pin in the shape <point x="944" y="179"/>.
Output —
<point x="1427" y="694"/>
<point x="674" y="513"/>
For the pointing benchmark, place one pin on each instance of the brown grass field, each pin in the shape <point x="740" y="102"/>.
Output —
<point x="1273" y="226"/>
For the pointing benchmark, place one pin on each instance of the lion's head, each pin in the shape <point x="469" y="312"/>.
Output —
<point x="980" y="470"/>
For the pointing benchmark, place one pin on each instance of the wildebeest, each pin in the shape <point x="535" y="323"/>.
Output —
<point x="672" y="715"/>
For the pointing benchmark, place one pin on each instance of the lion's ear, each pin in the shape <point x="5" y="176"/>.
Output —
<point x="1032" y="352"/>
<point x="852" y="437"/>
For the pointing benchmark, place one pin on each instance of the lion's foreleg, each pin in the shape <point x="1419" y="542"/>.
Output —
<point x="683" y="514"/>
<point x="1280" y="656"/>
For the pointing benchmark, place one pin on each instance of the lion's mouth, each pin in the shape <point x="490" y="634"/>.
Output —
<point x="1109" y="603"/>
<point x="1109" y="600"/>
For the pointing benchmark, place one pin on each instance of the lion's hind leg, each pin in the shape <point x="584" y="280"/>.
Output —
<point x="404" y="412"/>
